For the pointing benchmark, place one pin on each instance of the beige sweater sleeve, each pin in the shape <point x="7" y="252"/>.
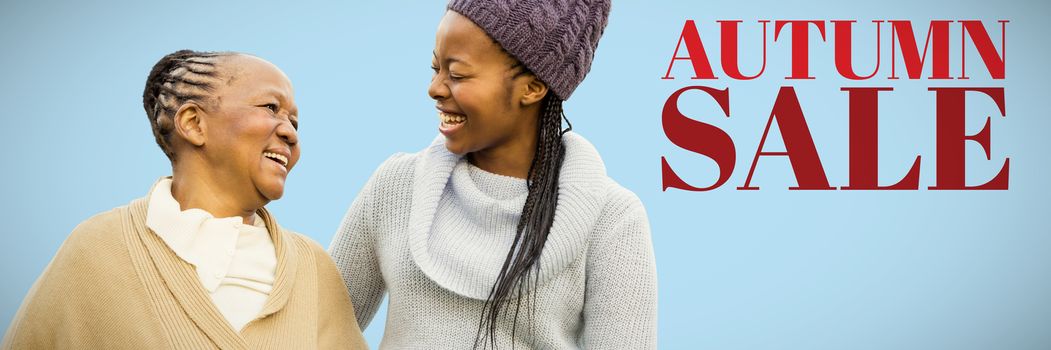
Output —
<point x="337" y="329"/>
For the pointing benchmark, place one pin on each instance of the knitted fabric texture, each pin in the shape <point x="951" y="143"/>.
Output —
<point x="555" y="39"/>
<point x="478" y="207"/>
<point x="115" y="284"/>
<point x="432" y="231"/>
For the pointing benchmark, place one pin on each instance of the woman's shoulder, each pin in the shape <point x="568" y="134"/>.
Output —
<point x="91" y="282"/>
<point x="303" y="243"/>
<point x="585" y="169"/>
<point x="96" y="249"/>
<point x="619" y="198"/>
<point x="310" y="251"/>
<point x="99" y="234"/>
<point x="400" y="168"/>
<point x="621" y="204"/>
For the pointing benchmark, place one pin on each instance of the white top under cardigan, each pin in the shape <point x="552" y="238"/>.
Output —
<point x="433" y="231"/>
<point x="236" y="263"/>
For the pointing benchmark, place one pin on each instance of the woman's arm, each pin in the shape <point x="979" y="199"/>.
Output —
<point x="354" y="251"/>
<point x="620" y="308"/>
<point x="337" y="325"/>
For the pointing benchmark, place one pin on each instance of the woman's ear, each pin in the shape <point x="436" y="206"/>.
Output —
<point x="535" y="90"/>
<point x="190" y="124"/>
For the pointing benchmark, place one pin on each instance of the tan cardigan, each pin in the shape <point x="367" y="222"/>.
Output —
<point x="114" y="284"/>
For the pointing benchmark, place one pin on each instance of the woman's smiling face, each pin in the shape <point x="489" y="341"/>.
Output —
<point x="477" y="90"/>
<point x="252" y="140"/>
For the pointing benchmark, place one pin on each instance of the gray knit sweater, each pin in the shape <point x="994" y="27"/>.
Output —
<point x="433" y="231"/>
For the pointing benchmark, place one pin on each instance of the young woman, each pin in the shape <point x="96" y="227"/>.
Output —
<point x="506" y="231"/>
<point x="198" y="263"/>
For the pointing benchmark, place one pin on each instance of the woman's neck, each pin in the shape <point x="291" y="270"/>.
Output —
<point x="509" y="159"/>
<point x="201" y="192"/>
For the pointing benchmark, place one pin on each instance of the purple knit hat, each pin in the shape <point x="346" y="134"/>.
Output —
<point x="555" y="39"/>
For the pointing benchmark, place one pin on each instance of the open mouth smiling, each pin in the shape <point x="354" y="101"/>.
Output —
<point x="277" y="157"/>
<point x="450" y="118"/>
<point x="450" y="122"/>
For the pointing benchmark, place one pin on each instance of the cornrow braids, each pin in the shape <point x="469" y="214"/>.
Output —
<point x="521" y="269"/>
<point x="178" y="77"/>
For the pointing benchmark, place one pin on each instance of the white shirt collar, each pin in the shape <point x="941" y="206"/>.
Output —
<point x="195" y="235"/>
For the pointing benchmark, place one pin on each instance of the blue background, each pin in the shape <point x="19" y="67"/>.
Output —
<point x="767" y="269"/>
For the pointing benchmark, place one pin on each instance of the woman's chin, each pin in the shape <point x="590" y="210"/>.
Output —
<point x="455" y="147"/>
<point x="271" y="191"/>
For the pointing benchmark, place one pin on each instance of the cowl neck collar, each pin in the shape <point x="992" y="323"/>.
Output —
<point x="580" y="199"/>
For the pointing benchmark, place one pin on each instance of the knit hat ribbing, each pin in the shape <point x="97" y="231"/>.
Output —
<point x="555" y="39"/>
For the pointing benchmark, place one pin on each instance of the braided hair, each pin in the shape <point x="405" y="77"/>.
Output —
<point x="178" y="77"/>
<point x="521" y="269"/>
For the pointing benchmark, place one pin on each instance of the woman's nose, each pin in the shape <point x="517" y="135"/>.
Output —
<point x="288" y="133"/>
<point x="437" y="90"/>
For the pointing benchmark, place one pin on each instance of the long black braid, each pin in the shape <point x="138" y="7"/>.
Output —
<point x="178" y="77"/>
<point x="521" y="269"/>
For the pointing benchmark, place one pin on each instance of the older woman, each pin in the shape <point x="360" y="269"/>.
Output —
<point x="198" y="263"/>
